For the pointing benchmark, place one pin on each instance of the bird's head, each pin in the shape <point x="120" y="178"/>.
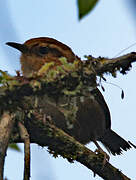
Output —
<point x="37" y="51"/>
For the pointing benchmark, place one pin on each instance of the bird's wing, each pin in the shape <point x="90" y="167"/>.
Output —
<point x="100" y="99"/>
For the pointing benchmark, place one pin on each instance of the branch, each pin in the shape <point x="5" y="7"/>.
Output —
<point x="60" y="143"/>
<point x="6" y="126"/>
<point x="103" y="65"/>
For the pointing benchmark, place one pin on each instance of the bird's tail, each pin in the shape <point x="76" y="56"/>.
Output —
<point x="114" y="143"/>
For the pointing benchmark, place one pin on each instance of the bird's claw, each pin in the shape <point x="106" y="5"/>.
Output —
<point x="106" y="156"/>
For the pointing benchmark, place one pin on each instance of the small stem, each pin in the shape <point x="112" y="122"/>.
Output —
<point x="25" y="137"/>
<point x="6" y="125"/>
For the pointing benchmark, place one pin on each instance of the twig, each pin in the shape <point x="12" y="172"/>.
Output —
<point x="25" y="137"/>
<point x="6" y="125"/>
<point x="122" y="63"/>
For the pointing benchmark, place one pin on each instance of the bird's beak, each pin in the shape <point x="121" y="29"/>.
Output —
<point x="21" y="47"/>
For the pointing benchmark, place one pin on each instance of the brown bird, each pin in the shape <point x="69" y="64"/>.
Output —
<point x="93" y="121"/>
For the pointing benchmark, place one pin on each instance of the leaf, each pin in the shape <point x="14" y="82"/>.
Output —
<point x="14" y="147"/>
<point x="85" y="6"/>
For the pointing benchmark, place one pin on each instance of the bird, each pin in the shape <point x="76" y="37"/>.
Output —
<point x="93" y="119"/>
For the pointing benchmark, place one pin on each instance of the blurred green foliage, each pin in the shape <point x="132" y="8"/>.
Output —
<point x="85" y="6"/>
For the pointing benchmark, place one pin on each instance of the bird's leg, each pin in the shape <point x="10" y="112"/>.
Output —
<point x="42" y="116"/>
<point x="100" y="150"/>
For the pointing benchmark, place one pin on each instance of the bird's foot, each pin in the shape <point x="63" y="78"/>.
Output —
<point x="106" y="156"/>
<point x="43" y="117"/>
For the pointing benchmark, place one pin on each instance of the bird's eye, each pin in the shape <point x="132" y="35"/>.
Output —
<point x="43" y="50"/>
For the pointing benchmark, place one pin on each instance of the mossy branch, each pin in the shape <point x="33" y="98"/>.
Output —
<point x="60" y="143"/>
<point x="21" y="96"/>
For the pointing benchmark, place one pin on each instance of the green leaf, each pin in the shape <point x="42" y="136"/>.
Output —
<point x="14" y="147"/>
<point x="85" y="6"/>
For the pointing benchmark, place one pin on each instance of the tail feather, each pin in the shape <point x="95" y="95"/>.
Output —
<point x="114" y="143"/>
